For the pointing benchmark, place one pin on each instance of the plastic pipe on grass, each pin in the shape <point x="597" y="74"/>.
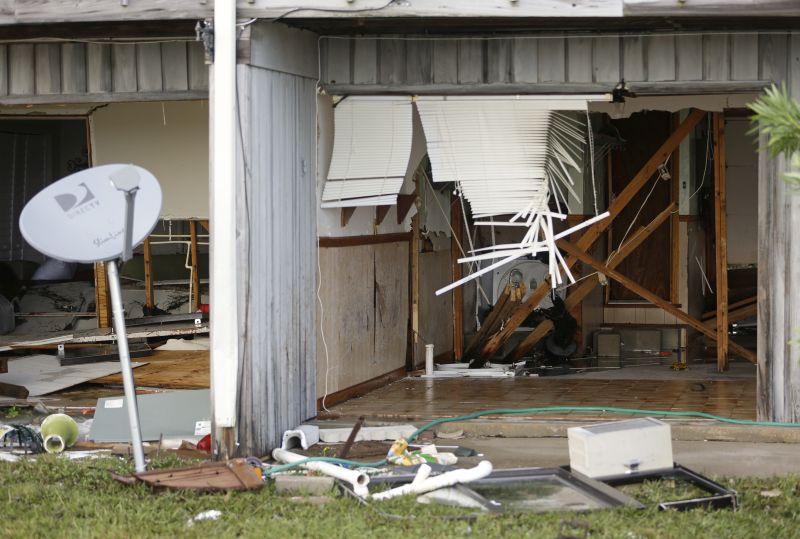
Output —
<point x="422" y="484"/>
<point x="59" y="432"/>
<point x="359" y="480"/>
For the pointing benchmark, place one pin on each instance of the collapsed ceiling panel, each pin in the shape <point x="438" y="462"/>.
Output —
<point x="371" y="149"/>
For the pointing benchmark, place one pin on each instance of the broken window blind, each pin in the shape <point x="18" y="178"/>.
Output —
<point x="509" y="155"/>
<point x="371" y="149"/>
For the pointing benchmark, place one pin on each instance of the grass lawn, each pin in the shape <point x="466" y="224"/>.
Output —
<point x="59" y="498"/>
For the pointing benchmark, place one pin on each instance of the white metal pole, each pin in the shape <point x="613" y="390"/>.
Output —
<point x="223" y="319"/>
<point x="125" y="361"/>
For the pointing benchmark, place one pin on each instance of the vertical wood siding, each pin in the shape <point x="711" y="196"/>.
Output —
<point x="73" y="72"/>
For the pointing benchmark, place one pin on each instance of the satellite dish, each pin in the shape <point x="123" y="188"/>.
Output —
<point x="82" y="217"/>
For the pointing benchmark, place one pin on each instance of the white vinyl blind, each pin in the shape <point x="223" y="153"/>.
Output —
<point x="371" y="150"/>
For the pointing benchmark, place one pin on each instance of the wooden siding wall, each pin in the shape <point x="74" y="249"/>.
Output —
<point x="73" y="72"/>
<point x="567" y="61"/>
<point x="277" y="246"/>
<point x="779" y="259"/>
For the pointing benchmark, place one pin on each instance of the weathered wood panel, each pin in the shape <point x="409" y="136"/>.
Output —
<point x="744" y="56"/>
<point x="579" y="59"/>
<point x="526" y="60"/>
<point x="606" y="59"/>
<point x="419" y="62"/>
<point x="98" y="68"/>
<point x="445" y="61"/>
<point x="499" y="64"/>
<point x="365" y="61"/>
<point x="175" y="66"/>
<point x="21" y="73"/>
<point x="470" y="61"/>
<point x="634" y="67"/>
<point x="123" y="62"/>
<point x="197" y="70"/>
<point x="660" y="58"/>
<point x="552" y="60"/>
<point x="392" y="61"/>
<point x="338" y="61"/>
<point x="149" y="76"/>
<point x="73" y="68"/>
<point x="3" y="69"/>
<point x="716" y="57"/>
<point x="48" y="68"/>
<point x="689" y="57"/>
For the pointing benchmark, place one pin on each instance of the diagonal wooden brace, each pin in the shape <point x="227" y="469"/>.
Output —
<point x="579" y="293"/>
<point x="651" y="297"/>
<point x="593" y="233"/>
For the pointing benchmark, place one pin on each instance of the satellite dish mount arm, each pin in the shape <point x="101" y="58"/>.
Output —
<point x="127" y="181"/>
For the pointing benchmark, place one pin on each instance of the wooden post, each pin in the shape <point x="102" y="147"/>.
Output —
<point x="101" y="300"/>
<point x="148" y="274"/>
<point x="195" y="266"/>
<point x="675" y="222"/>
<point x="641" y="291"/>
<point x="721" y="234"/>
<point x="458" y="292"/>
<point x="593" y="232"/>
<point x="415" y="291"/>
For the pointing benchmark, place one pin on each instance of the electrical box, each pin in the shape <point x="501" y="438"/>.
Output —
<point x="620" y="447"/>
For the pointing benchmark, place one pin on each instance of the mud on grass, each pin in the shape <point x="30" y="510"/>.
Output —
<point x="59" y="498"/>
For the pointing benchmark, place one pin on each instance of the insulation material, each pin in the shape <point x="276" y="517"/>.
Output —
<point x="510" y="156"/>
<point x="371" y="150"/>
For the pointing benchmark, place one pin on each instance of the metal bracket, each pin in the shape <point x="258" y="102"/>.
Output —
<point x="204" y="32"/>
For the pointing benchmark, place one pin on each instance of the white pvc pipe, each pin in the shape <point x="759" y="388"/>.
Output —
<point x="223" y="319"/>
<point x="429" y="359"/>
<point x="446" y="479"/>
<point x="359" y="480"/>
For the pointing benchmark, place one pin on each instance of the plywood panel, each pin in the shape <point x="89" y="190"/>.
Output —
<point x="73" y="68"/>
<point x="689" y="59"/>
<point x="175" y="66"/>
<point x="716" y="59"/>
<point x="123" y="67"/>
<point x="470" y="61"/>
<point x="579" y="59"/>
<point x="445" y="61"/>
<point x="391" y="306"/>
<point x="20" y="69"/>
<point x="660" y="58"/>
<point x="365" y="61"/>
<point x="526" y="60"/>
<point x="435" y="312"/>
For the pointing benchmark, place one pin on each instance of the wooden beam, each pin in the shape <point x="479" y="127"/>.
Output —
<point x="380" y="214"/>
<point x="195" y="265"/>
<point x="675" y="222"/>
<point x="579" y="293"/>
<point x="148" y="274"/>
<point x="649" y="296"/>
<point x="369" y="239"/>
<point x="594" y="231"/>
<point x="455" y="267"/>
<point x="101" y="299"/>
<point x="205" y="224"/>
<point x="721" y="243"/>
<point x="731" y="307"/>
<point x="734" y="315"/>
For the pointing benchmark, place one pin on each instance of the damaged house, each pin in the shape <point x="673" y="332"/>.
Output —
<point x="360" y="151"/>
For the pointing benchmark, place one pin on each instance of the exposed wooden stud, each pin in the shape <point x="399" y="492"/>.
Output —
<point x="594" y="231"/>
<point x="458" y="293"/>
<point x="101" y="299"/>
<point x="195" y="265"/>
<point x="370" y="239"/>
<point x="639" y="290"/>
<point x="675" y="222"/>
<point x="414" y="252"/>
<point x="345" y="216"/>
<point x="404" y="203"/>
<point x="380" y="214"/>
<point x="205" y="224"/>
<point x="148" y="274"/>
<point x="721" y="235"/>
<point x="577" y="294"/>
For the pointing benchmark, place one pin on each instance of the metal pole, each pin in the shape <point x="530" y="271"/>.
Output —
<point x="125" y="360"/>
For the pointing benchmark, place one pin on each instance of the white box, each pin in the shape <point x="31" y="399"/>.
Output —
<point x="620" y="447"/>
